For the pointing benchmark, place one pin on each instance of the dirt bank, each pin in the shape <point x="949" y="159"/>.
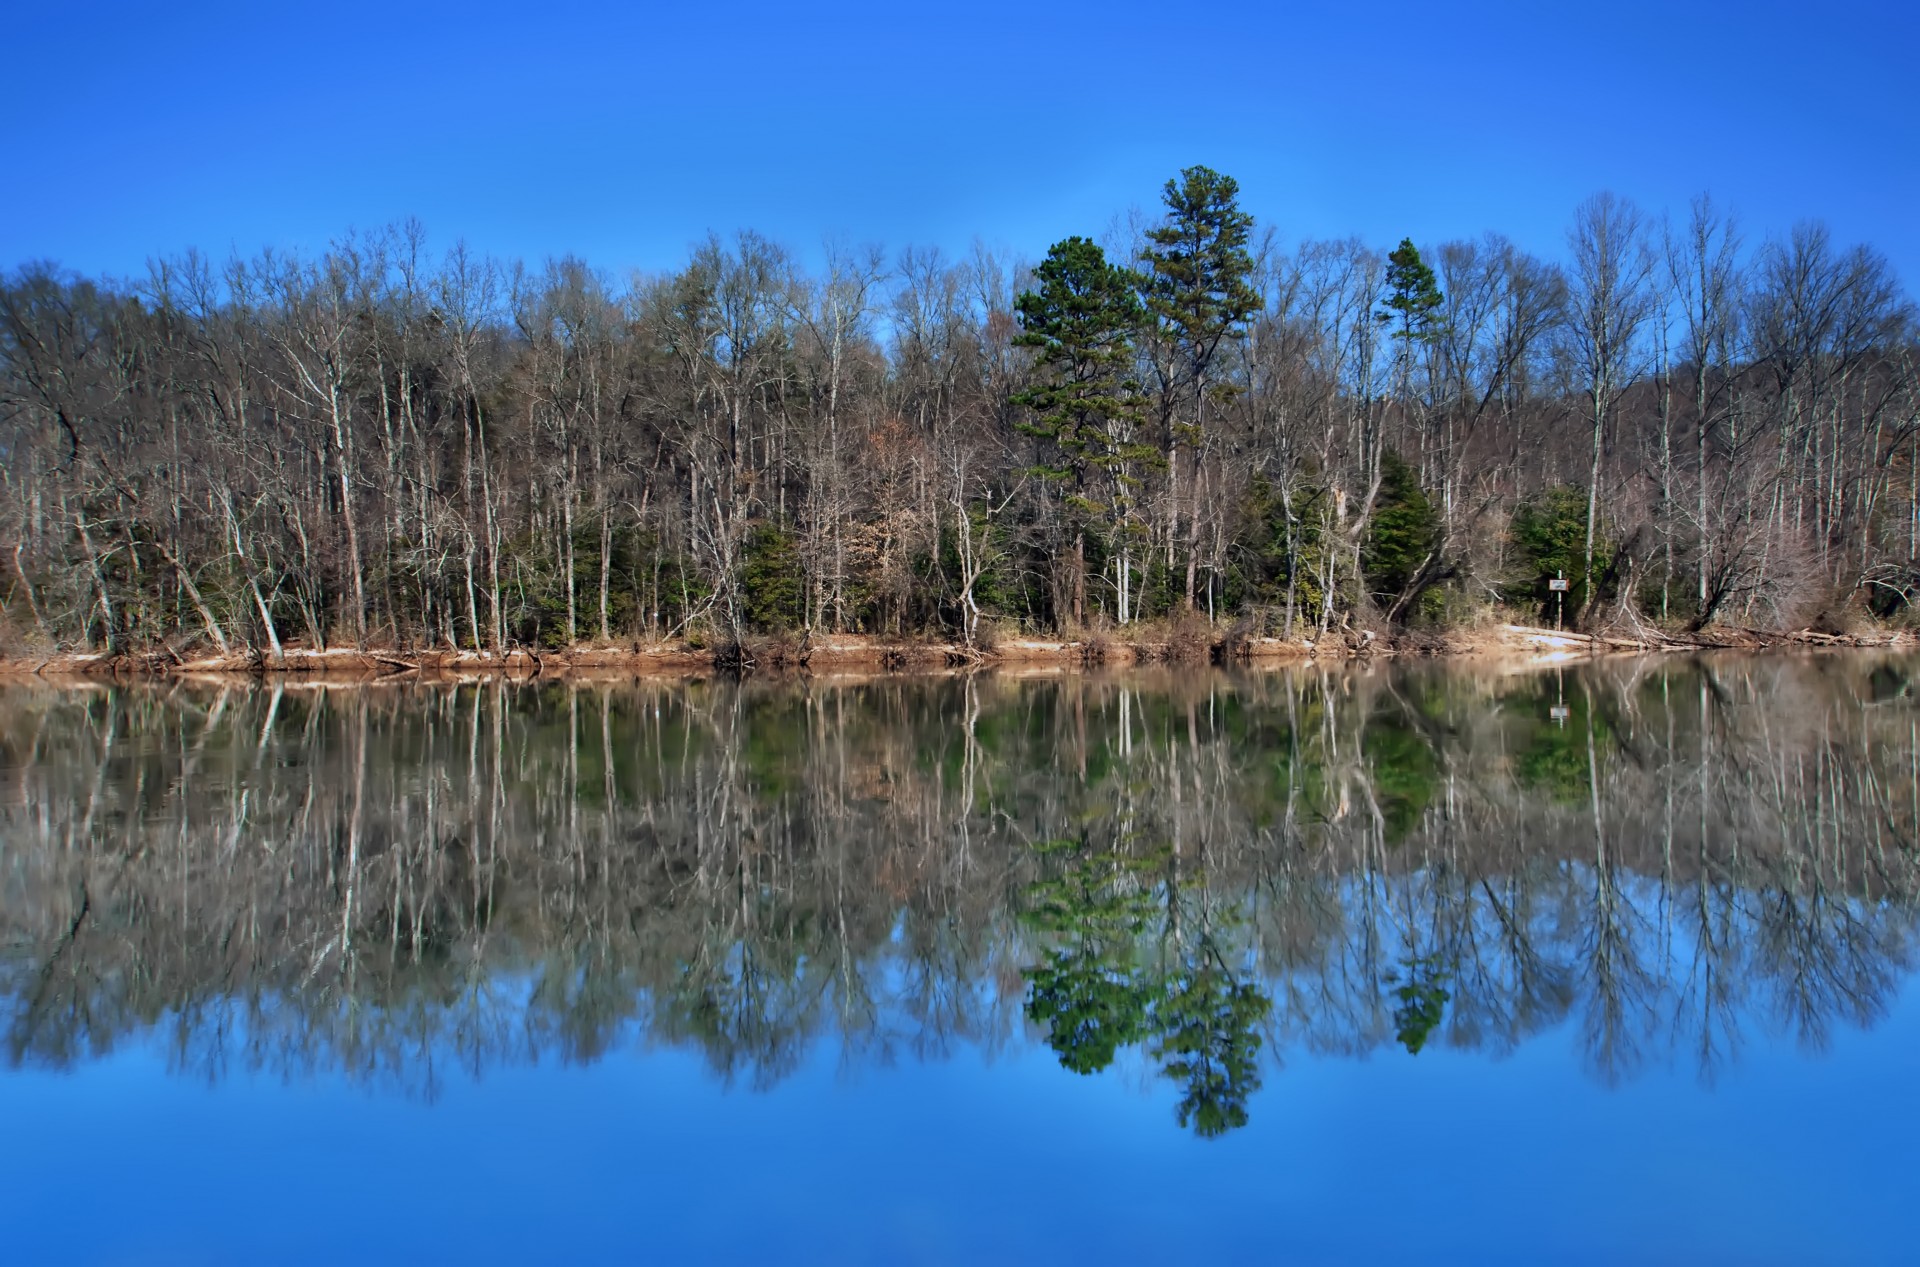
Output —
<point x="861" y="654"/>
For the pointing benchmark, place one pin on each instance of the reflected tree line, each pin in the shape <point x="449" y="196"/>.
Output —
<point x="1196" y="874"/>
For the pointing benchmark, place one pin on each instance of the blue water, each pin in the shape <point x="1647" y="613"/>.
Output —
<point x="689" y="1022"/>
<point x="644" y="1156"/>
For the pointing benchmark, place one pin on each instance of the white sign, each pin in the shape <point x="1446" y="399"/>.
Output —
<point x="1558" y="583"/>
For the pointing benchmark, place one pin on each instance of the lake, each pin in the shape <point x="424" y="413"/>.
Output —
<point x="1611" y="962"/>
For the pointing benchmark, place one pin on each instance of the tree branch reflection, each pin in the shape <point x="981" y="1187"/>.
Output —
<point x="401" y="882"/>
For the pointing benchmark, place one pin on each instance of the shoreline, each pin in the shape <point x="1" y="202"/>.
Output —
<point x="865" y="654"/>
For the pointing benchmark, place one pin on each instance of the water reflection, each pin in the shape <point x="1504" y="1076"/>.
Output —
<point x="1207" y="871"/>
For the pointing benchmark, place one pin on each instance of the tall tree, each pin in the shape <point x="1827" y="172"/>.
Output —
<point x="1414" y="299"/>
<point x="1610" y="301"/>
<point x="1703" y="273"/>
<point x="1413" y="310"/>
<point x="1084" y="403"/>
<point x="1199" y="290"/>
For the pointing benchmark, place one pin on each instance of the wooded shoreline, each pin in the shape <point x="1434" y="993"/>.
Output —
<point x="856" y="654"/>
<point x="1194" y="425"/>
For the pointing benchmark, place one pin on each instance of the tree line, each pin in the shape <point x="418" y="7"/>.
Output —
<point x="385" y="446"/>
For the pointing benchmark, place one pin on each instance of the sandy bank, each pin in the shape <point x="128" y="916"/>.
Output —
<point x="1520" y="644"/>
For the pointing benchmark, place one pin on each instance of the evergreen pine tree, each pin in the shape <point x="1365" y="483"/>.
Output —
<point x="1413" y="295"/>
<point x="1199" y="292"/>
<point x="1084" y="402"/>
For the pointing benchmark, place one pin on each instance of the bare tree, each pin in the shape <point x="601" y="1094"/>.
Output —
<point x="1609" y="302"/>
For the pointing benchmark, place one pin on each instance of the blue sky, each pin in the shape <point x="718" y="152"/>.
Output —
<point x="622" y="133"/>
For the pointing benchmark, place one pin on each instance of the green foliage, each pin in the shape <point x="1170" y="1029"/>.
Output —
<point x="994" y="589"/>
<point x="1549" y="534"/>
<point x="773" y="750"/>
<point x="1557" y="757"/>
<point x="1095" y="993"/>
<point x="1209" y="1044"/>
<point x="1422" y="1003"/>
<point x="649" y="588"/>
<point x="1413" y="295"/>
<point x="1081" y="322"/>
<point x="1089" y="990"/>
<point x="1404" y="533"/>
<point x="1198" y="283"/>
<point x="771" y="584"/>
<point x="1258" y="560"/>
<point x="665" y="584"/>
<point x="1406" y="774"/>
<point x="1160" y="591"/>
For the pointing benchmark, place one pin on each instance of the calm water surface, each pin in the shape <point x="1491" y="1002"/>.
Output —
<point x="1606" y="964"/>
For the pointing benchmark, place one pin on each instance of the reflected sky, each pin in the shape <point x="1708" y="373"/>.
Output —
<point x="1589" y="966"/>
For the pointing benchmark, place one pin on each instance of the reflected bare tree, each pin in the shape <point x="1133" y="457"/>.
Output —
<point x="405" y="882"/>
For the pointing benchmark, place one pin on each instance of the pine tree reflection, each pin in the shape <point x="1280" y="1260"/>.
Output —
<point x="402" y="882"/>
<point x="1090" y="989"/>
<point x="1422" y="1003"/>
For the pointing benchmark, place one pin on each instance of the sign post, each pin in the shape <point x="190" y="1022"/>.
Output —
<point x="1559" y="587"/>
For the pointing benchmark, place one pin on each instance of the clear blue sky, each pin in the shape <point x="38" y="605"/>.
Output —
<point x="624" y="132"/>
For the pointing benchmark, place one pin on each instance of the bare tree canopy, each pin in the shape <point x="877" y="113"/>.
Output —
<point x="389" y="446"/>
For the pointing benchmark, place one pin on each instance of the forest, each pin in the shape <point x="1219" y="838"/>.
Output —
<point x="1189" y="419"/>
